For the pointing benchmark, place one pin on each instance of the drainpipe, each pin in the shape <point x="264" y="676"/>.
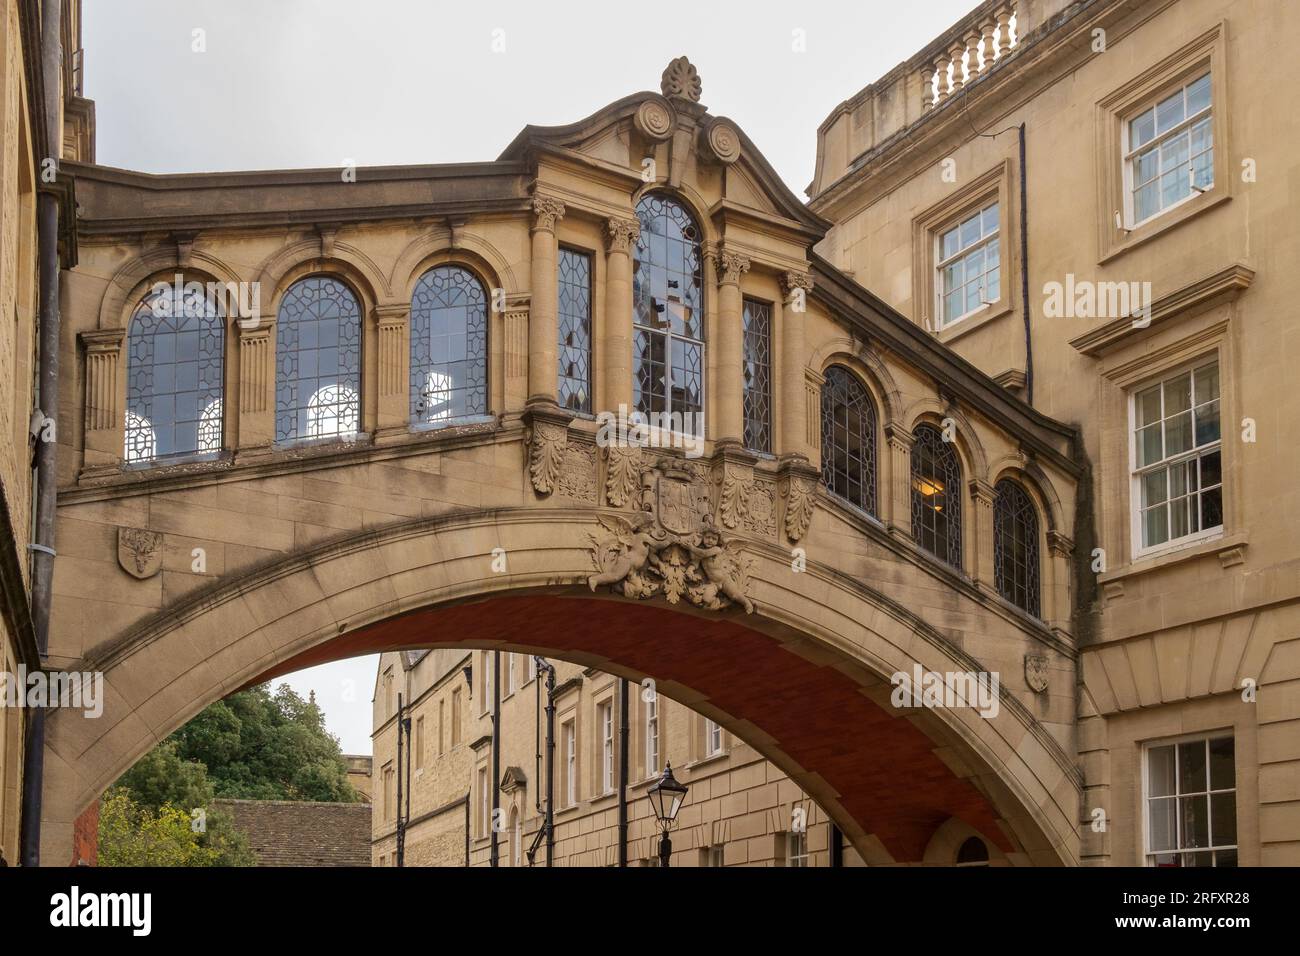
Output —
<point x="496" y="755"/>
<point x="837" y="847"/>
<point x="550" y="763"/>
<point x="1024" y="269"/>
<point x="47" y="231"/>
<point x="623" y="731"/>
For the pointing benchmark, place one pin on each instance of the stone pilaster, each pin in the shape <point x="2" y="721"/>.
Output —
<point x="895" y="483"/>
<point x="614" y="377"/>
<point x="1057" y="578"/>
<point x="796" y="439"/>
<point x="543" y="319"/>
<point x="980" y="554"/>
<point x="393" y="324"/>
<point x="515" y="336"/>
<point x="256" y="385"/>
<point x="104" y="409"/>
<point x="728" y="415"/>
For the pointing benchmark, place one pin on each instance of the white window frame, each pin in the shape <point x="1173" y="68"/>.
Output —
<point x="569" y="730"/>
<point x="796" y="848"/>
<point x="511" y="686"/>
<point x="605" y="714"/>
<point x="532" y="668"/>
<point x="652" y="755"/>
<point x="484" y="806"/>
<point x="977" y="209"/>
<point x="1129" y="154"/>
<point x="1205" y="737"/>
<point x="712" y="738"/>
<point x="1140" y="549"/>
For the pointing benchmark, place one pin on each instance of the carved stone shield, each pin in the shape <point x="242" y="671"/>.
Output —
<point x="1036" y="672"/>
<point x="678" y="503"/>
<point x="139" y="552"/>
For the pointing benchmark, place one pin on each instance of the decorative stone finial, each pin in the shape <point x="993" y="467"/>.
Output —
<point x="681" y="81"/>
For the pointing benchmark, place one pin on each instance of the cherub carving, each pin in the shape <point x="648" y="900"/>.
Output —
<point x="723" y="570"/>
<point x="636" y="547"/>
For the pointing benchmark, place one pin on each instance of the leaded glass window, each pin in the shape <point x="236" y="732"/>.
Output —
<point x="757" y="321"/>
<point x="1015" y="546"/>
<point x="174" y="376"/>
<point x="936" y="495"/>
<point x="848" y="439"/>
<point x="318" y="361"/>
<point x="574" y="387"/>
<point x="668" y="314"/>
<point x="449" y="319"/>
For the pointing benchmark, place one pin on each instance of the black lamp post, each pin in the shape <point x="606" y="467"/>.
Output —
<point x="666" y="796"/>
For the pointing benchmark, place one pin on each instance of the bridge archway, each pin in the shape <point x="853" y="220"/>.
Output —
<point x="804" y="679"/>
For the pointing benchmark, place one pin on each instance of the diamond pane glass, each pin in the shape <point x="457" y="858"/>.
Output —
<point x="1015" y="546"/>
<point x="668" y="297"/>
<point x="449" y="319"/>
<point x="848" y="439"/>
<point x="318" y="361"/>
<point x="574" y="386"/>
<point x="936" y="495"/>
<point x="757" y="320"/>
<point x="174" y="372"/>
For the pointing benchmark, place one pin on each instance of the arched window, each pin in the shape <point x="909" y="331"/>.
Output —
<point x="668" y="314"/>
<point x="173" y="375"/>
<point x="848" y="439"/>
<point x="936" y="495"/>
<point x="449" y="320"/>
<point x="1015" y="546"/>
<point x="318" y="361"/>
<point x="973" y="852"/>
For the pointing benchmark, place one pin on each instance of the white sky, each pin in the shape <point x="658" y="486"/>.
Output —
<point x="307" y="83"/>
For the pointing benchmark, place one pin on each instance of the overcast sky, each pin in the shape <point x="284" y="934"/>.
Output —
<point x="307" y="83"/>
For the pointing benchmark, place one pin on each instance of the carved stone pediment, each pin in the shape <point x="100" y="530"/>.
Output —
<point x="671" y="547"/>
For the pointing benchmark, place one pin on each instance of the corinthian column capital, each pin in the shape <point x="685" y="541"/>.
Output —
<point x="548" y="211"/>
<point x="620" y="234"/>
<point x="790" y="281"/>
<point x="731" y="266"/>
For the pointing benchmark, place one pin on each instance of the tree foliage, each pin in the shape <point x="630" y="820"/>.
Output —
<point x="254" y="745"/>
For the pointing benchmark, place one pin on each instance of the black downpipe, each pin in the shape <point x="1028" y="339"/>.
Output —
<point x="403" y="741"/>
<point x="623" y="731"/>
<point x="467" y="814"/>
<point x="496" y="755"/>
<point x="1024" y="270"/>
<point x="550" y="763"/>
<point x="47" y="400"/>
<point x="837" y="847"/>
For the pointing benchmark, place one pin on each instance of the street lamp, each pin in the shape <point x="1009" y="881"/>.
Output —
<point x="666" y="796"/>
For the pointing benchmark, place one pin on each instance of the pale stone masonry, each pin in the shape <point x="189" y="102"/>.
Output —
<point x="1171" y="639"/>
<point x="740" y="810"/>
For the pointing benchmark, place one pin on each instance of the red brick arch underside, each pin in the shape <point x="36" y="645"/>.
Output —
<point x="882" y="768"/>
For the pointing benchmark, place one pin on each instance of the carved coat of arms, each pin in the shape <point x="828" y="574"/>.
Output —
<point x="139" y="552"/>
<point x="671" y="547"/>
<point x="1036" y="672"/>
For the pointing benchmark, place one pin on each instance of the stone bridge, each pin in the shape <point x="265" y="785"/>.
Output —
<point x="407" y="444"/>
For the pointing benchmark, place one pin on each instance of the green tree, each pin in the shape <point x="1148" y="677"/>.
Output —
<point x="253" y="745"/>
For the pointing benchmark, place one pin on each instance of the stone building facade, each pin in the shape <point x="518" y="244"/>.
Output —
<point x="923" y="448"/>
<point x="1150" y="198"/>
<point x="741" y="810"/>
<point x="25" y="128"/>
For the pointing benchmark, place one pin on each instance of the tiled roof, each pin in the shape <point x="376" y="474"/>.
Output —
<point x="303" y="833"/>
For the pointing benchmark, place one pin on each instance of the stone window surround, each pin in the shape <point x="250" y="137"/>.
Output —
<point x="1112" y="112"/>
<point x="927" y="227"/>
<point x="1134" y="367"/>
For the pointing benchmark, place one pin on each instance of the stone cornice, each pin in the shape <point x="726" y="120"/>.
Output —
<point x="1223" y="286"/>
